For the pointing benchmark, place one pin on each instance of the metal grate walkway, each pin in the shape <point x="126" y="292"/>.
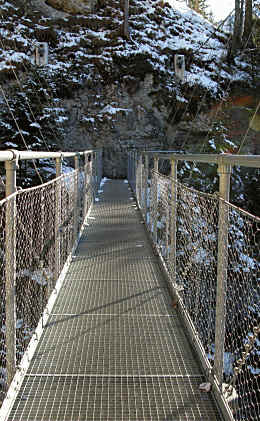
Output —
<point x="114" y="348"/>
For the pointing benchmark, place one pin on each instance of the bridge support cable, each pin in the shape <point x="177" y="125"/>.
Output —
<point x="212" y="263"/>
<point x="38" y="233"/>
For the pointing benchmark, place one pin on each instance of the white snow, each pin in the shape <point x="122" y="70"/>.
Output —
<point x="35" y="124"/>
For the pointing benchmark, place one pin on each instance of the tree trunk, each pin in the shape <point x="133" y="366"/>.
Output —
<point x="125" y="7"/>
<point x="236" y="40"/>
<point x="247" y="35"/>
<point x="242" y="7"/>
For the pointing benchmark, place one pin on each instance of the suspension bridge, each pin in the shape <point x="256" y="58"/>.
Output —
<point x="128" y="299"/>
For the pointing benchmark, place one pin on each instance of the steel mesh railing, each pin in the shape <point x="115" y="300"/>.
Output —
<point x="196" y="259"/>
<point x="193" y="265"/>
<point x="202" y="240"/>
<point x="39" y="227"/>
<point x="2" y="301"/>
<point x="242" y="319"/>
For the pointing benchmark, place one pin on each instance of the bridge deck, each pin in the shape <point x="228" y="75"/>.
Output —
<point x="114" y="348"/>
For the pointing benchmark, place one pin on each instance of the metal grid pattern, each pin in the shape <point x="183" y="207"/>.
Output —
<point x="113" y="297"/>
<point x="113" y="348"/>
<point x="38" y="229"/>
<point x="114" y="269"/>
<point x="112" y="399"/>
<point x="120" y="248"/>
<point x="114" y="345"/>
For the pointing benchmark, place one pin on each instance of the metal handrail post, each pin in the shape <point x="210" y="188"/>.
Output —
<point x="139" y="180"/>
<point x="85" y="205"/>
<point x="132" y="171"/>
<point x="128" y="167"/>
<point x="155" y="200"/>
<point x="90" y="191"/>
<point x="167" y="225"/>
<point x="224" y="171"/>
<point x="135" y="170"/>
<point x="98" y="170"/>
<point x="173" y="218"/>
<point x="76" y="197"/>
<point x="93" y="168"/>
<point x="10" y="270"/>
<point x="146" y="175"/>
<point x="100" y="166"/>
<point x="57" y="221"/>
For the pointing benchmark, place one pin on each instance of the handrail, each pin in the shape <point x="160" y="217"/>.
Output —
<point x="11" y="154"/>
<point x="11" y="158"/>
<point x="231" y="159"/>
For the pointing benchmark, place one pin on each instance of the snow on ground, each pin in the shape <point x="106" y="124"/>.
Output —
<point x="180" y="30"/>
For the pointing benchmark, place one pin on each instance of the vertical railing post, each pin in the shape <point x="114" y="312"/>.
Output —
<point x="139" y="180"/>
<point x="135" y="171"/>
<point x="97" y="170"/>
<point x="93" y="174"/>
<point x="224" y="172"/>
<point x="100" y="160"/>
<point x="167" y="224"/>
<point x="128" y="167"/>
<point x="146" y="175"/>
<point x="10" y="270"/>
<point x="155" y="200"/>
<point x="57" y="221"/>
<point x="173" y="218"/>
<point x="76" y="199"/>
<point x="90" y="187"/>
<point x="85" y="206"/>
<point x="132" y="171"/>
<point x="90" y="178"/>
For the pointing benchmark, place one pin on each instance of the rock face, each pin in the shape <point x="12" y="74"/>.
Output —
<point x="100" y="89"/>
<point x="72" y="6"/>
<point x="47" y="10"/>
<point x="116" y="119"/>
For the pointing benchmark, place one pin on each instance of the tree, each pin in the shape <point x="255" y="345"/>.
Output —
<point x="247" y="35"/>
<point x="242" y="33"/>
<point x="125" y="7"/>
<point x="236" y="40"/>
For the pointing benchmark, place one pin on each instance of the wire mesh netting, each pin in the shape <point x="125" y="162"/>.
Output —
<point x="242" y="321"/>
<point x="38" y="229"/>
<point x="185" y="226"/>
<point x="193" y="264"/>
<point x="2" y="301"/>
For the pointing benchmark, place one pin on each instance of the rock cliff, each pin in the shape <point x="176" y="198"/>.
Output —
<point x="100" y="89"/>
